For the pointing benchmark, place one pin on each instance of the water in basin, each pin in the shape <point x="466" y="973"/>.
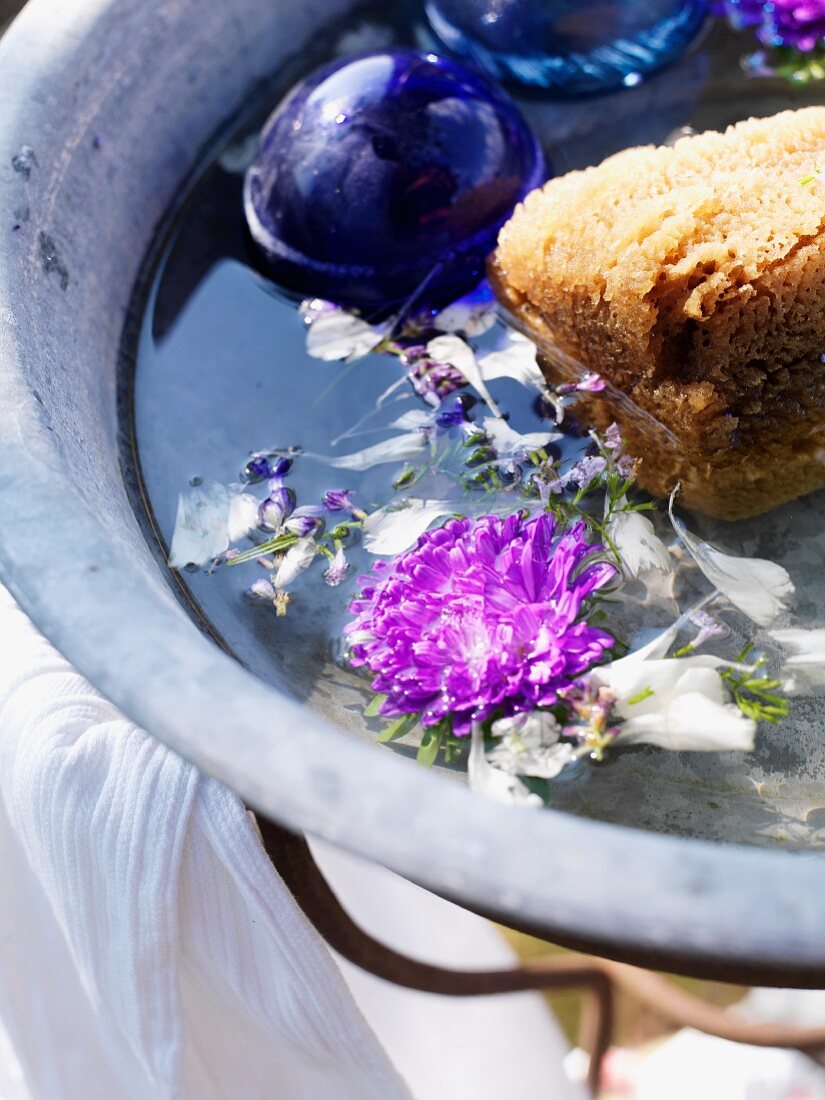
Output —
<point x="219" y="368"/>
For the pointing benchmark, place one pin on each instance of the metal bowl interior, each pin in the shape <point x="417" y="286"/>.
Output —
<point x="108" y="107"/>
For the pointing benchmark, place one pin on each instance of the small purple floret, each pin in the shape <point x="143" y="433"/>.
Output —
<point x="481" y="616"/>
<point x="336" y="500"/>
<point x="278" y="505"/>
<point x="263" y="466"/>
<point x="796" y="23"/>
<point x="451" y="414"/>
<point x="430" y="379"/>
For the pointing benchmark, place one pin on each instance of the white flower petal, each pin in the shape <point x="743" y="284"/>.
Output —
<point x="636" y="676"/>
<point x="653" y="650"/>
<point x="392" y="529"/>
<point x="639" y="547"/>
<point x="804" y="646"/>
<point x="242" y="516"/>
<point x="337" y="569"/>
<point x="209" y="517"/>
<point x="507" y="443"/>
<point x="529" y="745"/>
<point x="490" y="781"/>
<point x="337" y="334"/>
<point x="760" y="588"/>
<point x="261" y="589"/>
<point x="805" y="659"/>
<point x="516" y="359"/>
<point x="397" y="449"/>
<point x="514" y="758"/>
<point x="677" y="703"/>
<point x="415" y="419"/>
<point x="691" y="722"/>
<point x="297" y="558"/>
<point x="473" y="314"/>
<point x="458" y="353"/>
<point x="539" y="726"/>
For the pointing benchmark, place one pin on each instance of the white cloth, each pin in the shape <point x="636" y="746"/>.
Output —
<point x="148" y="948"/>
<point x="505" y="1047"/>
<point x="692" y="1065"/>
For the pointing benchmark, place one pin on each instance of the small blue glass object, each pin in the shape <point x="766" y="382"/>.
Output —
<point x="386" y="177"/>
<point x="567" y="47"/>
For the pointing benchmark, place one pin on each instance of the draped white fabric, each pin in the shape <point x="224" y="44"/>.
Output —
<point x="148" y="948"/>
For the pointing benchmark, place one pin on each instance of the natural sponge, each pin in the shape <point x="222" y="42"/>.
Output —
<point x="692" y="278"/>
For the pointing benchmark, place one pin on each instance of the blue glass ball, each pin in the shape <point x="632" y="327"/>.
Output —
<point x="567" y="47"/>
<point x="385" y="174"/>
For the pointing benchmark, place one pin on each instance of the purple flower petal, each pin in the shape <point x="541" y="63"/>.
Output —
<point x="480" y="616"/>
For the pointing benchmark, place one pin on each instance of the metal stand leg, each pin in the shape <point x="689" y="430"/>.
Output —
<point x="599" y="978"/>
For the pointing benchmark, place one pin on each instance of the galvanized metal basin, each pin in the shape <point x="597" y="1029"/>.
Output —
<point x="106" y="107"/>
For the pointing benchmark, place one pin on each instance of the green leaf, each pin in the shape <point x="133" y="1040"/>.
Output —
<point x="282" y="542"/>
<point x="405" y="478"/>
<point x="755" y="695"/>
<point x="453" y="749"/>
<point x="398" y="728"/>
<point x="373" y="707"/>
<point x="430" y="744"/>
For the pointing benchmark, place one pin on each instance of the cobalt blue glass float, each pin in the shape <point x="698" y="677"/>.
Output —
<point x="568" y="47"/>
<point x="385" y="175"/>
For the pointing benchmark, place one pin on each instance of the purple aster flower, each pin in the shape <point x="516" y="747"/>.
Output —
<point x="481" y="616"/>
<point x="796" y="23"/>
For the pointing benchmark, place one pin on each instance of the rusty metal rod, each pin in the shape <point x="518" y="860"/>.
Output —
<point x="600" y="978"/>
<point x="294" y="861"/>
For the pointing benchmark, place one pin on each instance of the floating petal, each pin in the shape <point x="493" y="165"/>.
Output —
<point x="209" y="517"/>
<point x="529" y="745"/>
<point x="492" y="782"/>
<point x="677" y="703"/>
<point x="392" y="529"/>
<point x="298" y="558"/>
<point x="760" y="588"/>
<point x="414" y="420"/>
<point x="805" y="659"/>
<point x="639" y="547"/>
<point x="516" y="359"/>
<point x="474" y="314"/>
<point x="397" y="449"/>
<point x="692" y="723"/>
<point x="458" y="354"/>
<point x="336" y="334"/>
<point x="509" y="444"/>
<point x="242" y="515"/>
